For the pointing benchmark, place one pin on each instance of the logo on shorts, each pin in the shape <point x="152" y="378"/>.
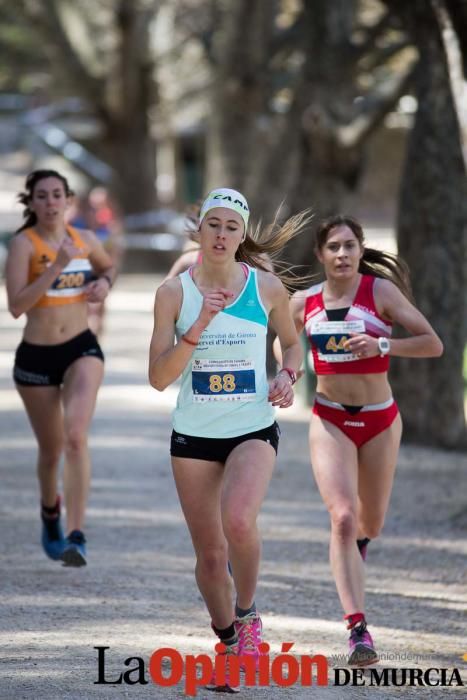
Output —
<point x="354" y="423"/>
<point x="180" y="440"/>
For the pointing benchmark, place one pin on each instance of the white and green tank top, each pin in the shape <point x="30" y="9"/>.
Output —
<point x="224" y="389"/>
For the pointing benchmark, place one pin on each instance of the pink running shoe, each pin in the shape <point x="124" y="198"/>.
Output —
<point x="249" y="630"/>
<point x="361" y="648"/>
<point x="229" y="683"/>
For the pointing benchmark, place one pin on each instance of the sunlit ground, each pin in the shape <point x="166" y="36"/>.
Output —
<point x="138" y="591"/>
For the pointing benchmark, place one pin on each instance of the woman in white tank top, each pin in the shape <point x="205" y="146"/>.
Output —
<point x="225" y="439"/>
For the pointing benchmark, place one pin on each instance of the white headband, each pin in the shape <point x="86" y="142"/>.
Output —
<point x="229" y="199"/>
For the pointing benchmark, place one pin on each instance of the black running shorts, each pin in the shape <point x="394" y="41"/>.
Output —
<point x="45" y="365"/>
<point x="218" y="449"/>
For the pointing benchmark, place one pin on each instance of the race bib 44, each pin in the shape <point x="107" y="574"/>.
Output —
<point x="330" y="337"/>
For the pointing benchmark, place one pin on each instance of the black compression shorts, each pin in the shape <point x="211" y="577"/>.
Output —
<point x="45" y="365"/>
<point x="218" y="449"/>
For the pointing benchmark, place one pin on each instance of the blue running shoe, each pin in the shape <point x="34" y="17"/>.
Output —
<point x="74" y="553"/>
<point x="52" y="538"/>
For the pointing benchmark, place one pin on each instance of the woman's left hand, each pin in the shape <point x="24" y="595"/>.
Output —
<point x="362" y="345"/>
<point x="281" y="390"/>
<point x="97" y="291"/>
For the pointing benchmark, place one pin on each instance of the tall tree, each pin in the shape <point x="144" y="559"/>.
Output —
<point x="101" y="52"/>
<point x="349" y="86"/>
<point x="294" y="103"/>
<point x="240" y="58"/>
<point x="432" y="233"/>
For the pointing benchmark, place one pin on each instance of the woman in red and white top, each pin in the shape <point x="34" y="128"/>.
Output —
<point x="355" y="426"/>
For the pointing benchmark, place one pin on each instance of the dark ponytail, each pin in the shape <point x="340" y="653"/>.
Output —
<point x="24" y="198"/>
<point x="374" y="262"/>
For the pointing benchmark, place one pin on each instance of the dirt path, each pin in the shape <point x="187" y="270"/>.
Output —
<point x="138" y="592"/>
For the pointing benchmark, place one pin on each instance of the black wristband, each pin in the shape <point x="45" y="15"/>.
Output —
<point x="108" y="278"/>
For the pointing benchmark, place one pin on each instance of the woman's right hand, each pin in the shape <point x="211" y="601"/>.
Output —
<point x="67" y="252"/>
<point x="214" y="300"/>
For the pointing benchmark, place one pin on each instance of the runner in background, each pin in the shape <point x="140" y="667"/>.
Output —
<point x="52" y="272"/>
<point x="97" y="213"/>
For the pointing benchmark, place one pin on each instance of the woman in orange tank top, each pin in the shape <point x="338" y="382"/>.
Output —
<point x="51" y="274"/>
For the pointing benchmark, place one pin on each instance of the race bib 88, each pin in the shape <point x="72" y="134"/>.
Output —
<point x="223" y="380"/>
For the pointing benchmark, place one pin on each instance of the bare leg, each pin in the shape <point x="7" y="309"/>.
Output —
<point x="81" y="383"/>
<point x="248" y="472"/>
<point x="199" y="484"/>
<point x="377" y="465"/>
<point x="44" y="410"/>
<point x="335" y="466"/>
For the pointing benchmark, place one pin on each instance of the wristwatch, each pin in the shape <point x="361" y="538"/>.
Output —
<point x="384" y="346"/>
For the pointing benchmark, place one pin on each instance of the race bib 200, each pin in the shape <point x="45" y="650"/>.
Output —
<point x="72" y="278"/>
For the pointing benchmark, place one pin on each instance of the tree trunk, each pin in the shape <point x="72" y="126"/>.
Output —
<point x="432" y="239"/>
<point x="132" y="155"/>
<point x="325" y="169"/>
<point x="338" y="114"/>
<point x="132" y="148"/>
<point x="121" y="93"/>
<point x="238" y="93"/>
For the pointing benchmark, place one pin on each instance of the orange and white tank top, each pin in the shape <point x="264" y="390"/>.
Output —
<point x="67" y="288"/>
